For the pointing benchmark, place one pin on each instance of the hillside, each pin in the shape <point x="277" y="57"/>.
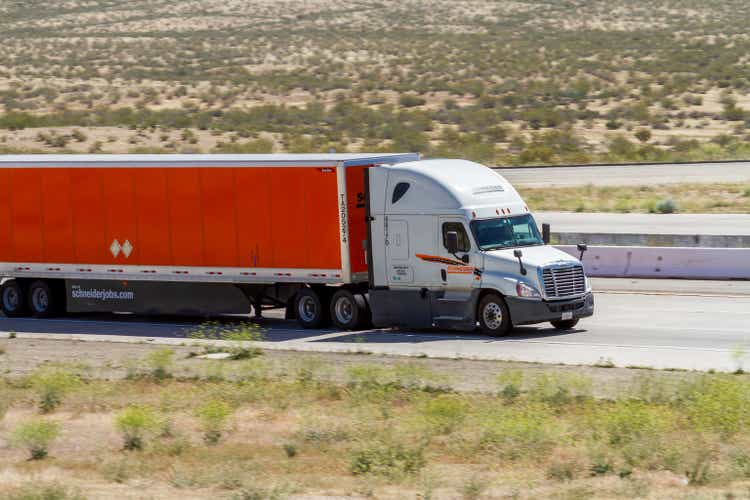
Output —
<point x="500" y="82"/>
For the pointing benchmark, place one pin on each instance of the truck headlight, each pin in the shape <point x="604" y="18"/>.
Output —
<point x="524" y="290"/>
<point x="588" y="283"/>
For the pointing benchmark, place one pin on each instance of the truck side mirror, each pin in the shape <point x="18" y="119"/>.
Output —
<point x="518" y="254"/>
<point x="546" y="233"/>
<point x="582" y="247"/>
<point x="451" y="242"/>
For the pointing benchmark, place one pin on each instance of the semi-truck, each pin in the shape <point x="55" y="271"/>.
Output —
<point x="357" y="240"/>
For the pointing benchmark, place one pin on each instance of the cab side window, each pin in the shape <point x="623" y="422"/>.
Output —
<point x="463" y="239"/>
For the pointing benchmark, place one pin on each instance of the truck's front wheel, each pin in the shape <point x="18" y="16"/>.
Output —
<point x="311" y="307"/>
<point x="494" y="316"/>
<point x="348" y="310"/>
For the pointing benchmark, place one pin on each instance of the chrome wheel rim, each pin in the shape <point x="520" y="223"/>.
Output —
<point x="11" y="299"/>
<point x="344" y="310"/>
<point x="307" y="309"/>
<point x="493" y="315"/>
<point x="40" y="299"/>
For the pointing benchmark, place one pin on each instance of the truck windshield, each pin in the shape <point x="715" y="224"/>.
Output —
<point x="506" y="232"/>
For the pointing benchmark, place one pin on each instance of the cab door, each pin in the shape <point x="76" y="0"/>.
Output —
<point x="454" y="305"/>
<point x="458" y="271"/>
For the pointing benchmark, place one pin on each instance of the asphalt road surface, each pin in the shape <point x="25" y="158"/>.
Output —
<point x="688" y="329"/>
<point x="627" y="175"/>
<point x="684" y="224"/>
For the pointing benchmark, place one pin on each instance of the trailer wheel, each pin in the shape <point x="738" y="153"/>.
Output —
<point x="348" y="310"/>
<point x="494" y="316"/>
<point x="42" y="299"/>
<point x="12" y="299"/>
<point x="564" y="324"/>
<point x="311" y="307"/>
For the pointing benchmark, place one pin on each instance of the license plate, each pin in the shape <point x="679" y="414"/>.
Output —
<point x="567" y="315"/>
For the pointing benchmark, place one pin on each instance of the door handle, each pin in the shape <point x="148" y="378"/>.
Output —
<point x="444" y="275"/>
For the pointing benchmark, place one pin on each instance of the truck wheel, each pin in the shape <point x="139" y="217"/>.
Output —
<point x="494" y="316"/>
<point x="12" y="299"/>
<point x="312" y="308"/>
<point x="348" y="310"/>
<point x="42" y="300"/>
<point x="564" y="324"/>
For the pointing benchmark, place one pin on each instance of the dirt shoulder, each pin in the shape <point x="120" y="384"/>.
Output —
<point x="117" y="360"/>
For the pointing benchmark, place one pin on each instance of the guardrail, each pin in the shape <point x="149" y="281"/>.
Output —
<point x="664" y="262"/>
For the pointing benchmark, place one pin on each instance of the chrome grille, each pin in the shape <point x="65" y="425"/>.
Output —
<point x="564" y="281"/>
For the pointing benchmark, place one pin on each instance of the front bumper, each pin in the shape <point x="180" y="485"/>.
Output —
<point x="530" y="311"/>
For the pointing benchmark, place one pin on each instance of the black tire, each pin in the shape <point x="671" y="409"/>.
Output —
<point x="348" y="310"/>
<point x="494" y="316"/>
<point x="42" y="300"/>
<point x="311" y="306"/>
<point x="567" y="324"/>
<point x="13" y="299"/>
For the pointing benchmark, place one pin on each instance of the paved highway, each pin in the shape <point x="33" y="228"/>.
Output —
<point x="685" y="224"/>
<point x="690" y="330"/>
<point x="627" y="175"/>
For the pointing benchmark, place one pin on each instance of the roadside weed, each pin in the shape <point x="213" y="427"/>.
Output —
<point x="160" y="363"/>
<point x="51" y="384"/>
<point x="35" y="435"/>
<point x="213" y="416"/>
<point x="136" y="423"/>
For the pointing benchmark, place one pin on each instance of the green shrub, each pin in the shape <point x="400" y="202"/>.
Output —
<point x="560" y="388"/>
<point x="160" y="363"/>
<point x="387" y="459"/>
<point x="628" y="421"/>
<point x="510" y="382"/>
<point x="43" y="491"/>
<point x="213" y="416"/>
<point x="666" y="206"/>
<point x="410" y="100"/>
<point x="136" y="423"/>
<point x="444" y="413"/>
<point x="236" y="336"/>
<point x="720" y="404"/>
<point x="525" y="430"/>
<point x="51" y="384"/>
<point x="35" y="435"/>
<point x="643" y="134"/>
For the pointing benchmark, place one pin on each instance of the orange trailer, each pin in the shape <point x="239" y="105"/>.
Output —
<point x="245" y="220"/>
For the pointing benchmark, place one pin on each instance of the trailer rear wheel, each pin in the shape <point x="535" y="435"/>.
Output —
<point x="311" y="306"/>
<point x="494" y="316"/>
<point x="348" y="310"/>
<point x="12" y="299"/>
<point x="42" y="300"/>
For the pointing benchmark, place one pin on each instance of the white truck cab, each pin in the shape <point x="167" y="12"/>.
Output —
<point x="452" y="244"/>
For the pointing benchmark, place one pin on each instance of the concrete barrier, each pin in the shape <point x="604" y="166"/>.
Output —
<point x="665" y="262"/>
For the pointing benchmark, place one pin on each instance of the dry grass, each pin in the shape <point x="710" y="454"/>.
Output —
<point x="387" y="431"/>
<point x="687" y="198"/>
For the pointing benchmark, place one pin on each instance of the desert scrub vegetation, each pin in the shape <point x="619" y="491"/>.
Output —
<point x="51" y="384"/>
<point x="668" y="198"/>
<point x="35" y="435"/>
<point x="496" y="82"/>
<point x="393" y="431"/>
